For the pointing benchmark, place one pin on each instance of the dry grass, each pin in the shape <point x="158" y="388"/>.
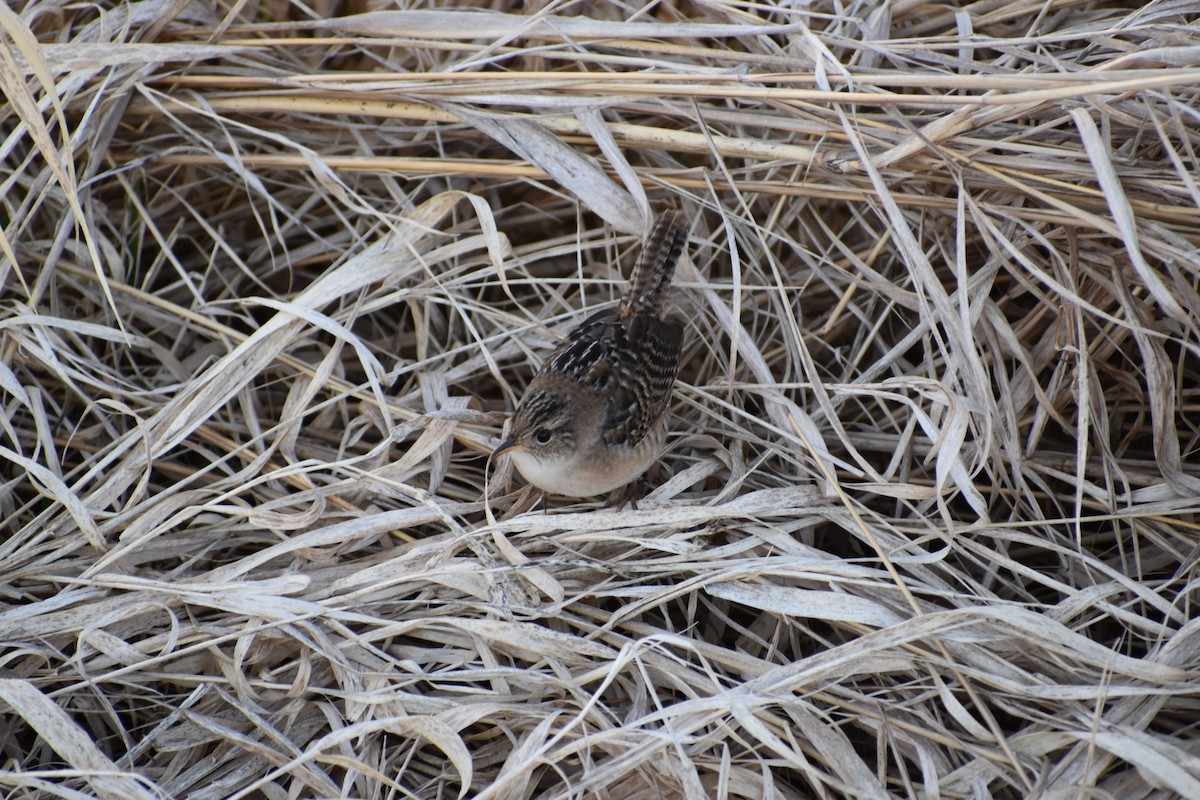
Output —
<point x="927" y="525"/>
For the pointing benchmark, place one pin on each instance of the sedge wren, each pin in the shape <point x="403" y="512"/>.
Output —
<point x="594" y="417"/>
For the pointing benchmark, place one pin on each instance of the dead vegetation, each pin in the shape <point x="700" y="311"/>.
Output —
<point x="926" y="527"/>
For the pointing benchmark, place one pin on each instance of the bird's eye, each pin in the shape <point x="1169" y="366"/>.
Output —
<point x="544" y="435"/>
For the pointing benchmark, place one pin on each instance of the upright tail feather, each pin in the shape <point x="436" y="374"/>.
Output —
<point x="651" y="274"/>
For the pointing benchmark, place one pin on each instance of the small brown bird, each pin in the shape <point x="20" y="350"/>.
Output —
<point x="593" y="419"/>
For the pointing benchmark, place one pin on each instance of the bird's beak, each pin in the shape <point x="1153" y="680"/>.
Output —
<point x="507" y="444"/>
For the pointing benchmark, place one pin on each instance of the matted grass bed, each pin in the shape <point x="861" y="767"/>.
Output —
<point x="926" y="526"/>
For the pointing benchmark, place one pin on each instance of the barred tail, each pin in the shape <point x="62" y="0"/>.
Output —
<point x="651" y="274"/>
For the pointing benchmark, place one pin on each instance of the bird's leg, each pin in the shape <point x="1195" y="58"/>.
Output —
<point x="629" y="493"/>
